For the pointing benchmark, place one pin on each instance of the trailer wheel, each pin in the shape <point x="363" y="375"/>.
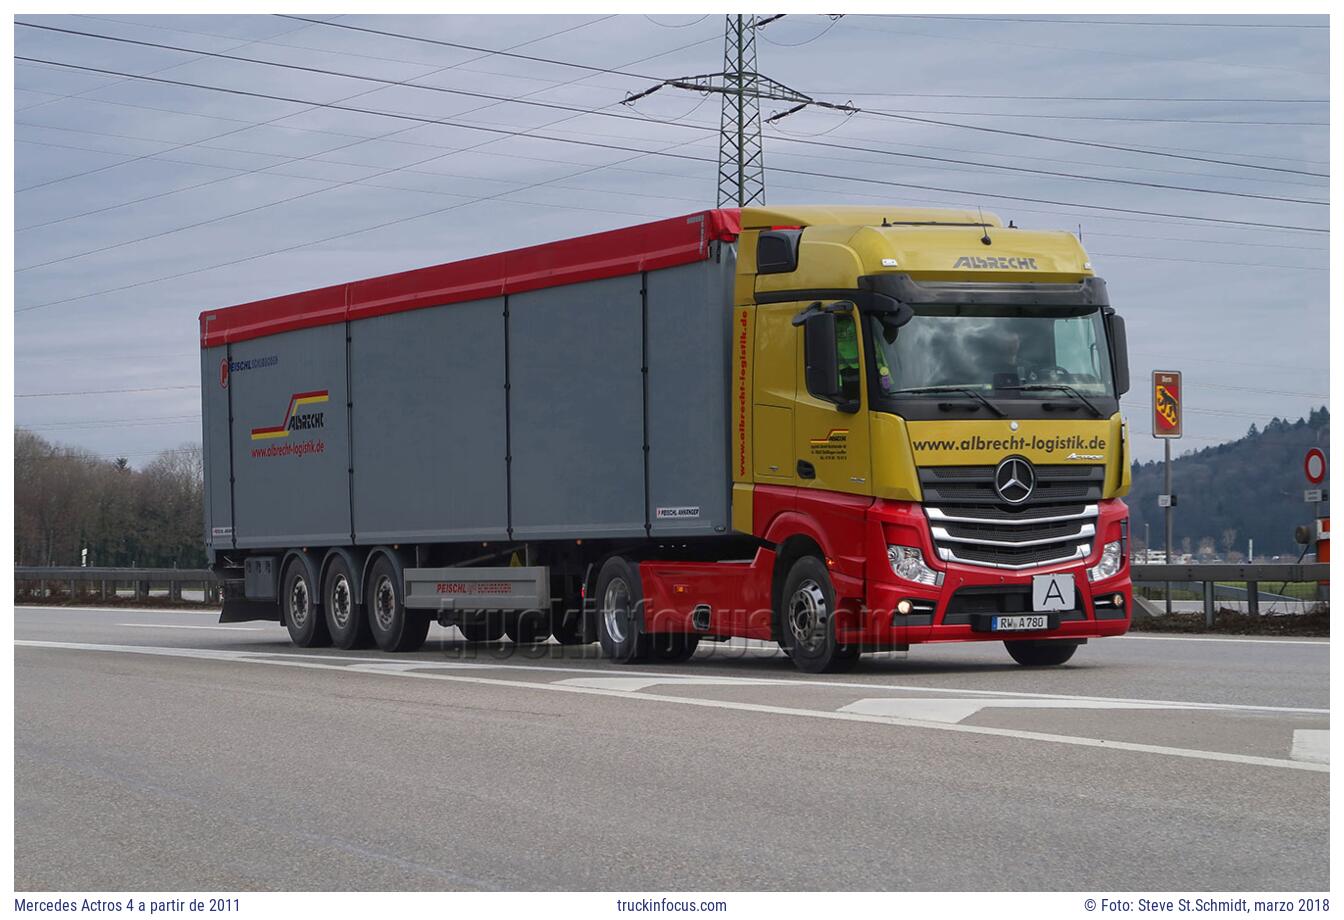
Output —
<point x="672" y="648"/>
<point x="528" y="627"/>
<point x="487" y="629"/>
<point x="620" y="599"/>
<point x="346" y="623"/>
<point x="1037" y="653"/>
<point x="307" y="628"/>
<point x="807" y="619"/>
<point x="394" y="628"/>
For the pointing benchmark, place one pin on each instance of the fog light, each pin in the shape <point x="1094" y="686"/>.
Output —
<point x="904" y="607"/>
<point x="1118" y="600"/>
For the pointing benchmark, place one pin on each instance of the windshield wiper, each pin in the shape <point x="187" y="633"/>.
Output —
<point x="1059" y="387"/>
<point x="965" y="390"/>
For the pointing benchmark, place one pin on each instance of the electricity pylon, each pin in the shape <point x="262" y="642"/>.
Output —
<point x="741" y="155"/>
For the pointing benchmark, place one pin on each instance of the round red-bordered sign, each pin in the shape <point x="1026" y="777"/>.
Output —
<point x="224" y="373"/>
<point x="1314" y="466"/>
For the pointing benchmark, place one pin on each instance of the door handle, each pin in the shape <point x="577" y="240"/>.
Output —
<point x="806" y="470"/>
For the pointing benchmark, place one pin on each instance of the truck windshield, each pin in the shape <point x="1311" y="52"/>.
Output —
<point x="982" y="348"/>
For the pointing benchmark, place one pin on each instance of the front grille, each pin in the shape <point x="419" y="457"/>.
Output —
<point x="970" y="523"/>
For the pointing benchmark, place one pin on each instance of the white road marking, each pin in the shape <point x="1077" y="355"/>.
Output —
<point x="957" y="710"/>
<point x="1311" y="745"/>
<point x="1324" y="643"/>
<point x="315" y="662"/>
<point x="630" y="684"/>
<point x="185" y="626"/>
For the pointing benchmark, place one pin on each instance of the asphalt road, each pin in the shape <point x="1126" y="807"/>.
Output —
<point x="158" y="750"/>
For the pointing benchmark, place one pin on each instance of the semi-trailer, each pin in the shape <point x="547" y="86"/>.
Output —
<point x="841" y="429"/>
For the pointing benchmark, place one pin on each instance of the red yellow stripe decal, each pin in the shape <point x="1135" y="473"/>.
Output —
<point x="282" y="430"/>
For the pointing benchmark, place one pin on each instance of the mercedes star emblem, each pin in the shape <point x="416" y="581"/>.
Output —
<point x="1014" y="480"/>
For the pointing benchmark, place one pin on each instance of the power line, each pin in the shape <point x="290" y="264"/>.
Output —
<point x="576" y="110"/>
<point x="1145" y="258"/>
<point x="1031" y="98"/>
<point x="236" y="58"/>
<point x="1113" y="22"/>
<point x="639" y="152"/>
<point x="1120" y="118"/>
<point x="1082" y="143"/>
<point x="620" y="72"/>
<point x="193" y="386"/>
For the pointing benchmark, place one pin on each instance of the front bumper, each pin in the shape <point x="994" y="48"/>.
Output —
<point x="960" y="608"/>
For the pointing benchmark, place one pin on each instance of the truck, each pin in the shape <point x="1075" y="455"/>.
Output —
<point x="839" y="429"/>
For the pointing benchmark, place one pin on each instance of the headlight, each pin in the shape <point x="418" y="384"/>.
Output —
<point x="908" y="563"/>
<point x="1109" y="564"/>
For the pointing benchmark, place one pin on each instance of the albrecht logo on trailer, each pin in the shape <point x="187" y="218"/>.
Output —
<point x="295" y="422"/>
<point x="1014" y="480"/>
<point x="1010" y="262"/>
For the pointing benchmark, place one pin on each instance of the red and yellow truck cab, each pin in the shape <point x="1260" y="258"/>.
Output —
<point x="927" y="403"/>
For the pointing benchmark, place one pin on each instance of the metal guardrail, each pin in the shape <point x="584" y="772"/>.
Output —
<point x="80" y="580"/>
<point x="1209" y="575"/>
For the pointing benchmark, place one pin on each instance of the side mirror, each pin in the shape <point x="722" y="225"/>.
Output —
<point x="1115" y="325"/>
<point x="822" y="375"/>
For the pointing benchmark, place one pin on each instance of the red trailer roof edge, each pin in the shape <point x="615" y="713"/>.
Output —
<point x="609" y="253"/>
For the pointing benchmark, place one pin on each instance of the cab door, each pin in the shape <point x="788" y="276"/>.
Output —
<point x="831" y="438"/>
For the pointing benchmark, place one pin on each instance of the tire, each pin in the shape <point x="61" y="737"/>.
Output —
<point x="672" y="648"/>
<point x="303" y="614"/>
<point x="394" y="628"/>
<point x="1040" y="653"/>
<point x="620" y="602"/>
<point x="807" y="619"/>
<point x="488" y="629"/>
<point x="345" y="619"/>
<point x="528" y="627"/>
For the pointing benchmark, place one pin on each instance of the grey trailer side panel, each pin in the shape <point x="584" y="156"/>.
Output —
<point x="689" y="317"/>
<point x="291" y="439"/>
<point x="215" y="448"/>
<point x="576" y="410"/>
<point x="428" y="418"/>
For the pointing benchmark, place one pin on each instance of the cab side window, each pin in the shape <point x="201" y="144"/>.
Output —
<point x="847" y="357"/>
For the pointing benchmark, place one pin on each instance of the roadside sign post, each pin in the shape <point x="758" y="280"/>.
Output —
<point x="1168" y="423"/>
<point x="1315" y="466"/>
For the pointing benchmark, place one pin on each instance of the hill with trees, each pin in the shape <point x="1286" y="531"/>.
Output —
<point x="1248" y="489"/>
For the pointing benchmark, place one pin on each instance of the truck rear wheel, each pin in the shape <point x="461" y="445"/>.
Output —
<point x="528" y="627"/>
<point x="394" y="628"/>
<point x="1038" y="653"/>
<point x="303" y="619"/>
<point x="807" y="619"/>
<point x="346" y="623"/>
<point x="620" y="602"/>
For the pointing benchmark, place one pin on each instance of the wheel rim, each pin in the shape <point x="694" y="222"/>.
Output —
<point x="616" y="608"/>
<point x="808" y="615"/>
<point x="385" y="603"/>
<point x="298" y="602"/>
<point x="340" y="602"/>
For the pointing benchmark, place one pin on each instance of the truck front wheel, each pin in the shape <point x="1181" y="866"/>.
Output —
<point x="807" y="620"/>
<point x="620" y="601"/>
<point x="394" y="628"/>
<point x="303" y="619"/>
<point x="1040" y="652"/>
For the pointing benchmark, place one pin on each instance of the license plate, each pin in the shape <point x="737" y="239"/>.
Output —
<point x="1016" y="623"/>
<point x="1052" y="592"/>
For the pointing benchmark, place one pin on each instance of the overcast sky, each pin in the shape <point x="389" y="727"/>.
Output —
<point x="141" y="203"/>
